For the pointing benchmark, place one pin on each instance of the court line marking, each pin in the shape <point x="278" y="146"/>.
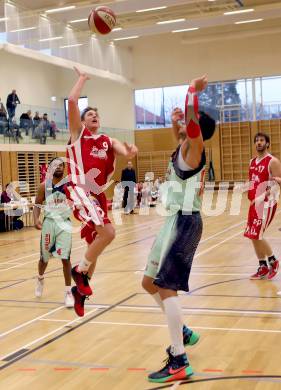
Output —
<point x="191" y="326"/>
<point x="82" y="246"/>
<point x="67" y="331"/>
<point x="38" y="253"/>
<point x="252" y="378"/>
<point x="188" y="309"/>
<point x="165" y="326"/>
<point x="46" y="335"/>
<point x="30" y="321"/>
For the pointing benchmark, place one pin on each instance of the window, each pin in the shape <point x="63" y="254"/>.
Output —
<point x="82" y="104"/>
<point x="228" y="101"/>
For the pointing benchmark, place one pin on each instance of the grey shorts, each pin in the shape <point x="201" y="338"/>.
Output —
<point x="172" y="253"/>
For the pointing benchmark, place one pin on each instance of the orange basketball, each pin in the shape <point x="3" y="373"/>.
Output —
<point x="101" y="20"/>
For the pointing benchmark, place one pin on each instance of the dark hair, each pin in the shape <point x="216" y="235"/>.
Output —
<point x="207" y="125"/>
<point x="263" y="135"/>
<point x="84" y="112"/>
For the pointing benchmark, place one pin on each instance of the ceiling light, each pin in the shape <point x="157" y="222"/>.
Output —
<point x="242" y="11"/>
<point x="117" y="29"/>
<point x="53" y="10"/>
<point x="74" y="45"/>
<point x="50" y="39"/>
<point x="78" y="20"/>
<point x="23" y="29"/>
<point x="151" y="9"/>
<point x="249" y="21"/>
<point x="171" y="21"/>
<point x="186" y="29"/>
<point x="122" y="39"/>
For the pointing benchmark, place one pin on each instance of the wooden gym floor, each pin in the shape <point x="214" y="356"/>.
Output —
<point x="123" y="335"/>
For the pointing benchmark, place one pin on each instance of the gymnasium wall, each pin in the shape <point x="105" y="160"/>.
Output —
<point x="165" y="60"/>
<point x="22" y="162"/>
<point x="36" y="82"/>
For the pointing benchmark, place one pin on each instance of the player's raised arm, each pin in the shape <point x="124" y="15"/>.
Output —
<point x="40" y="197"/>
<point x="74" y="120"/>
<point x="193" y="131"/>
<point x="177" y="118"/>
<point x="123" y="149"/>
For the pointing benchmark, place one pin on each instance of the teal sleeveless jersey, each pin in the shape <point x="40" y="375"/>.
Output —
<point x="183" y="190"/>
<point x="56" y="205"/>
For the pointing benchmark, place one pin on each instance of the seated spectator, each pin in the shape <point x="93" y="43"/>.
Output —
<point x="54" y="129"/>
<point x="46" y="125"/>
<point x="12" y="216"/>
<point x="139" y="193"/>
<point x="26" y="122"/>
<point x="3" y="119"/>
<point x="14" y="130"/>
<point x="36" y="122"/>
<point x="40" y="132"/>
<point x="118" y="196"/>
<point x="2" y="108"/>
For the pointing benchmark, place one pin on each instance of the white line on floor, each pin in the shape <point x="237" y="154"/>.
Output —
<point x="31" y="321"/>
<point x="46" y="335"/>
<point x="165" y="326"/>
<point x="191" y="326"/>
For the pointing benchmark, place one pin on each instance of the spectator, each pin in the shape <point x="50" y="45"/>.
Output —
<point x="118" y="196"/>
<point x="12" y="101"/>
<point x="139" y="193"/>
<point x="128" y="175"/>
<point x="2" y="108"/>
<point x="14" y="130"/>
<point x="26" y="122"/>
<point x="12" y="220"/>
<point x="54" y="129"/>
<point x="3" y="119"/>
<point x="36" y="122"/>
<point x="46" y="126"/>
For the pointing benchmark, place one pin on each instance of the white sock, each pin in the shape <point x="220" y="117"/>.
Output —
<point x="67" y="289"/>
<point x="173" y="312"/>
<point x="158" y="300"/>
<point x="84" y="265"/>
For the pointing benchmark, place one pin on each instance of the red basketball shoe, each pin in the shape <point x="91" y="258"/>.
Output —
<point x="82" y="282"/>
<point x="274" y="266"/>
<point x="261" y="273"/>
<point x="79" y="301"/>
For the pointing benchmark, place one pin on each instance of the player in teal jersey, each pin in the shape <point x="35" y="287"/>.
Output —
<point x="56" y="227"/>
<point x="170" y="260"/>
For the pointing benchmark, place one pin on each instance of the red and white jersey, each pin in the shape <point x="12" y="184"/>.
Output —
<point x="91" y="161"/>
<point x="259" y="176"/>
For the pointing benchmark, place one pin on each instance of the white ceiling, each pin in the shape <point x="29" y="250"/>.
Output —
<point x="202" y="14"/>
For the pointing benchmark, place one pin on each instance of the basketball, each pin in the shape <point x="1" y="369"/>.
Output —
<point x="101" y="20"/>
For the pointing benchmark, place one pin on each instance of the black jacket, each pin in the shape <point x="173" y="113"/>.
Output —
<point x="12" y="100"/>
<point x="128" y="175"/>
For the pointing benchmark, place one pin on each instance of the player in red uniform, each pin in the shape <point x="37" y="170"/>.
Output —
<point x="262" y="207"/>
<point x="91" y="158"/>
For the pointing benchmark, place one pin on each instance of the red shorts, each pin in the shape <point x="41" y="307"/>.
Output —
<point x="90" y="209"/>
<point x="259" y="218"/>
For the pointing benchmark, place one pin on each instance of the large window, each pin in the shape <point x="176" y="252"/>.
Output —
<point x="237" y="100"/>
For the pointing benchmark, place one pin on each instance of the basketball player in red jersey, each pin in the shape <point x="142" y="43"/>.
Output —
<point x="91" y="158"/>
<point x="262" y="170"/>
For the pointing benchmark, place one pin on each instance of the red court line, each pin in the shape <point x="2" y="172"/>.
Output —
<point x="27" y="369"/>
<point x="136" y="369"/>
<point x="63" y="368"/>
<point x="99" y="369"/>
<point x="212" y="370"/>
<point x="251" y="372"/>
